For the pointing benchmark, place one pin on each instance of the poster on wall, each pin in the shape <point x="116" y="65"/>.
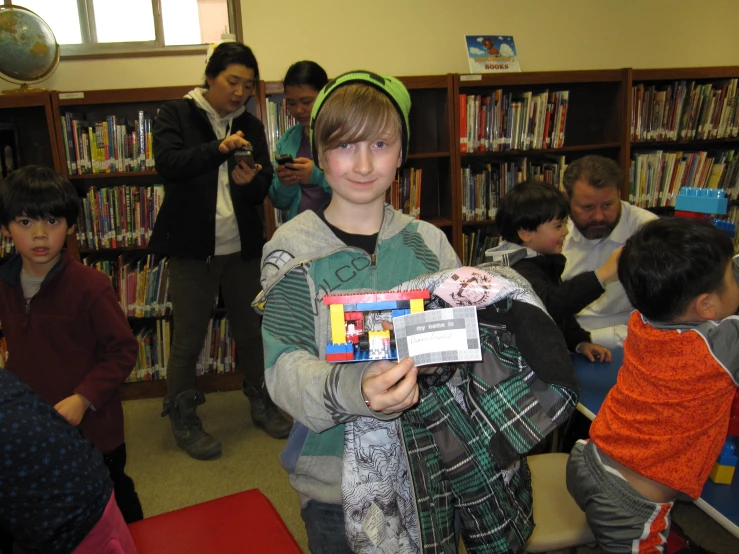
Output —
<point x="492" y="54"/>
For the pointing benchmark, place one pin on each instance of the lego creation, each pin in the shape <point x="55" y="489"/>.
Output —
<point x="350" y="341"/>
<point x="696" y="203"/>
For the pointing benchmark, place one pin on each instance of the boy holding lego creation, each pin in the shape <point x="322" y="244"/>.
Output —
<point x="662" y="426"/>
<point x="360" y="136"/>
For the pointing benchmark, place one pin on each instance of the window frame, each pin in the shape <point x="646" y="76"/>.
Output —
<point x="90" y="49"/>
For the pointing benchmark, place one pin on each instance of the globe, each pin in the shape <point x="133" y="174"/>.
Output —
<point x="29" y="52"/>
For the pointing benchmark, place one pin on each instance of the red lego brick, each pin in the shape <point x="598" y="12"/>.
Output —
<point x="692" y="215"/>
<point x="375" y="297"/>
<point x="353" y="316"/>
<point x="341" y="357"/>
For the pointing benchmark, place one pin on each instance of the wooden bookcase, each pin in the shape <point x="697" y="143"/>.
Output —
<point x="30" y="115"/>
<point x="126" y="103"/>
<point x="661" y="79"/>
<point x="595" y="123"/>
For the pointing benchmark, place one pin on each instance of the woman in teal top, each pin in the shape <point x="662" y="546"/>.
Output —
<point x="300" y="185"/>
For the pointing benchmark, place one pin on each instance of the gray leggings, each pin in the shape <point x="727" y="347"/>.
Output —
<point x="193" y="285"/>
<point x="621" y="519"/>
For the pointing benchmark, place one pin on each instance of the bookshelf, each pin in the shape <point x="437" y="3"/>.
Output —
<point x="684" y="131"/>
<point x="518" y="125"/>
<point x="27" y="119"/>
<point x="598" y="120"/>
<point x="125" y="189"/>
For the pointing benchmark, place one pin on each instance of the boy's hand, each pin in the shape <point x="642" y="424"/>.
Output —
<point x="389" y="387"/>
<point x="594" y="352"/>
<point x="608" y="273"/>
<point x="73" y="408"/>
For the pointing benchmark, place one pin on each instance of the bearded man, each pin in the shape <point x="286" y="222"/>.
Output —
<point x="600" y="223"/>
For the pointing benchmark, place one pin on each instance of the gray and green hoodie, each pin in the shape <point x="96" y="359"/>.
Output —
<point x="302" y="263"/>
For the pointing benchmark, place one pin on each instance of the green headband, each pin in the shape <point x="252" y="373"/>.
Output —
<point x="389" y="86"/>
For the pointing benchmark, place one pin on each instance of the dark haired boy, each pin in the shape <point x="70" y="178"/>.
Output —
<point x="532" y="219"/>
<point x="662" y="426"/>
<point x="67" y="336"/>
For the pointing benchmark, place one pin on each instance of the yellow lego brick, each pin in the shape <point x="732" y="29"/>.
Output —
<point x="416" y="305"/>
<point x="722" y="475"/>
<point x="338" y="332"/>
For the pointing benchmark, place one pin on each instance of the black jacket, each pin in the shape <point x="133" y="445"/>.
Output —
<point x="562" y="299"/>
<point x="187" y="157"/>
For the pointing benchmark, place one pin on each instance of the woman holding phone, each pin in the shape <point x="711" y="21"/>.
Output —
<point x="298" y="185"/>
<point x="210" y="228"/>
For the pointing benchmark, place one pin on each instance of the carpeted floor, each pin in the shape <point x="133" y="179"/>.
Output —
<point x="167" y="479"/>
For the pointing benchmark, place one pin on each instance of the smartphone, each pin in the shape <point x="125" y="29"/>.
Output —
<point x="245" y="155"/>
<point x="283" y="159"/>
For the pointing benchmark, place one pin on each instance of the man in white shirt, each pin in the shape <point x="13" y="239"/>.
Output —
<point x="600" y="222"/>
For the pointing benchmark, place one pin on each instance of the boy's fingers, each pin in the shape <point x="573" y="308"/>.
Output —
<point x="385" y="380"/>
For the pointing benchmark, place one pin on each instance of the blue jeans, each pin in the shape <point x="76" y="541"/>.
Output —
<point x="324" y="524"/>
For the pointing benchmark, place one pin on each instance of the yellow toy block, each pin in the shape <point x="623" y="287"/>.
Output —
<point x="416" y="305"/>
<point x="722" y="475"/>
<point x="338" y="332"/>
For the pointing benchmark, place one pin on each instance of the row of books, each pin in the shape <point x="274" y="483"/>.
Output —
<point x="474" y="244"/>
<point x="483" y="185"/>
<point x="141" y="282"/>
<point x="154" y="346"/>
<point x="107" y="144"/>
<point x="732" y="216"/>
<point x="405" y="192"/>
<point x="512" y="121"/>
<point x="684" y="110"/>
<point x="118" y="217"/>
<point x="217" y="356"/>
<point x="656" y="177"/>
<point x="7" y="247"/>
<point x="279" y="120"/>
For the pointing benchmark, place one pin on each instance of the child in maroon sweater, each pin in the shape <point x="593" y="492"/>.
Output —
<point x="67" y="336"/>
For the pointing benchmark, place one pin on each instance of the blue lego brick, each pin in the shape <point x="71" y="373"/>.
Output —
<point x="728" y="456"/>
<point x="376" y="306"/>
<point x="728" y="228"/>
<point x="727" y="460"/>
<point x="398" y="313"/>
<point x="332" y="348"/>
<point x="351" y="308"/>
<point x="706" y="201"/>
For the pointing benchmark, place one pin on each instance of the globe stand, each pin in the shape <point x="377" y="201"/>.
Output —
<point x="24" y="89"/>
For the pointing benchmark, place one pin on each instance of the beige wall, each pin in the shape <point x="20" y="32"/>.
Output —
<point x="418" y="37"/>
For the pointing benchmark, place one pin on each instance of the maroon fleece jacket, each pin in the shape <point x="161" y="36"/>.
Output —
<point x="74" y="338"/>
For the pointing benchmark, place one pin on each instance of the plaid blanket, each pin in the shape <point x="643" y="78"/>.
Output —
<point x="464" y="444"/>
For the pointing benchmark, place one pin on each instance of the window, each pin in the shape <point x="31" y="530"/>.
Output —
<point x="129" y="27"/>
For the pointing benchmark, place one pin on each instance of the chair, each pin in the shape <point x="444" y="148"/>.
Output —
<point x="560" y="523"/>
<point x="242" y="522"/>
